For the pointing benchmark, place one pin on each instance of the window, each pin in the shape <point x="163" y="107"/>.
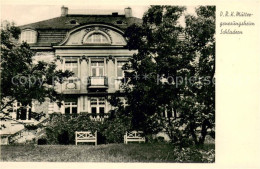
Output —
<point x="29" y="36"/>
<point x="97" y="106"/>
<point x="96" y="38"/>
<point x="169" y="113"/>
<point x="71" y="107"/>
<point x="22" y="112"/>
<point x="120" y="71"/>
<point x="73" y="22"/>
<point x="97" y="68"/>
<point x="72" y="65"/>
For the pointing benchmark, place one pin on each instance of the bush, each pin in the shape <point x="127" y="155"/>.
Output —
<point x="160" y="139"/>
<point x="61" y="129"/>
<point x="186" y="142"/>
<point x="208" y="156"/>
<point x="63" y="137"/>
<point x="31" y="127"/>
<point x="188" y="155"/>
<point x="42" y="141"/>
<point x="114" y="129"/>
<point x="194" y="154"/>
<point x="101" y="139"/>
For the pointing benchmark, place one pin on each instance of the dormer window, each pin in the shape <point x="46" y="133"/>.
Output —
<point x="96" y="38"/>
<point x="73" y="22"/>
<point x="29" y="36"/>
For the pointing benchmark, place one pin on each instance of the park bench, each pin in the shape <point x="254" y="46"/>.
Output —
<point x="85" y="136"/>
<point x="133" y="136"/>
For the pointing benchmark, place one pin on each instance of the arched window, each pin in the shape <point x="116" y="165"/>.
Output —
<point x="29" y="36"/>
<point x="94" y="38"/>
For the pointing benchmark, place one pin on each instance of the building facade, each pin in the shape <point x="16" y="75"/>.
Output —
<point x="92" y="47"/>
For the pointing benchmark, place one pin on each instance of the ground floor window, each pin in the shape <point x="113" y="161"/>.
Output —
<point x="23" y="112"/>
<point x="97" y="105"/>
<point x="71" y="107"/>
<point x="170" y="113"/>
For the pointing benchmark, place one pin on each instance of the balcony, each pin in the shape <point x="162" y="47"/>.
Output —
<point x="97" y="82"/>
<point x="91" y="116"/>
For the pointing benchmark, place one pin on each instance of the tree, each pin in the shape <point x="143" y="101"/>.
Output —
<point x="157" y="83"/>
<point x="200" y="33"/>
<point x="21" y="79"/>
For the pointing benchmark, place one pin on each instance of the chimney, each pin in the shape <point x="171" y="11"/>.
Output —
<point x="64" y="11"/>
<point x="128" y="12"/>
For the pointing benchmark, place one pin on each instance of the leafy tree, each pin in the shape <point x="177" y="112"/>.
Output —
<point x="200" y="34"/>
<point x="21" y="79"/>
<point x="157" y="82"/>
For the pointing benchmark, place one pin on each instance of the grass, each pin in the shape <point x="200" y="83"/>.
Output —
<point x="157" y="152"/>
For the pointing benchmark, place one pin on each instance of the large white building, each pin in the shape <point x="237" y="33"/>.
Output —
<point x="93" y="47"/>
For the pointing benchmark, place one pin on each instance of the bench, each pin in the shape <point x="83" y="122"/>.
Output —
<point x="85" y="136"/>
<point x="133" y="136"/>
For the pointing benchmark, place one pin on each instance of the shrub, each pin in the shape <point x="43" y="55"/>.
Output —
<point x="208" y="156"/>
<point x="61" y="129"/>
<point x="63" y="137"/>
<point x="114" y="129"/>
<point x="31" y="127"/>
<point x="185" y="142"/>
<point x="160" y="139"/>
<point x="42" y="141"/>
<point x="188" y="155"/>
<point x="194" y="154"/>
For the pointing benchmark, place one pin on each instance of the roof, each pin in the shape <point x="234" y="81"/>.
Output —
<point x="63" y="22"/>
<point x="53" y="31"/>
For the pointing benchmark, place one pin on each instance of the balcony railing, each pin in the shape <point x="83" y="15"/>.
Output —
<point x="92" y="116"/>
<point x="97" y="82"/>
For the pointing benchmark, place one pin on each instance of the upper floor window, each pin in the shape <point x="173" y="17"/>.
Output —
<point x="97" y="68"/>
<point x="72" y="65"/>
<point x="29" y="36"/>
<point x="98" y="38"/>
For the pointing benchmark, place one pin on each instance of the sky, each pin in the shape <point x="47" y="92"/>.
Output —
<point x="25" y="14"/>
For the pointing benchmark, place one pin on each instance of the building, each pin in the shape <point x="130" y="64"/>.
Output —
<point x="91" y="46"/>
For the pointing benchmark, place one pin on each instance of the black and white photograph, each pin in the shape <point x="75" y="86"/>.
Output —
<point x="109" y="83"/>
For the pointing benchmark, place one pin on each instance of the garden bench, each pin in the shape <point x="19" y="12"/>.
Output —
<point x="85" y="136"/>
<point x="133" y="136"/>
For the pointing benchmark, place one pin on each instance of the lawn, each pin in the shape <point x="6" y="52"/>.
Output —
<point x="144" y="152"/>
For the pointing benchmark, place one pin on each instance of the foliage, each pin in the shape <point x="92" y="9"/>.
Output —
<point x="198" y="105"/>
<point x="165" y="75"/>
<point x="42" y="141"/>
<point x="61" y="129"/>
<point x="31" y="127"/>
<point x="191" y="154"/>
<point x="21" y="79"/>
<point x="115" y="129"/>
